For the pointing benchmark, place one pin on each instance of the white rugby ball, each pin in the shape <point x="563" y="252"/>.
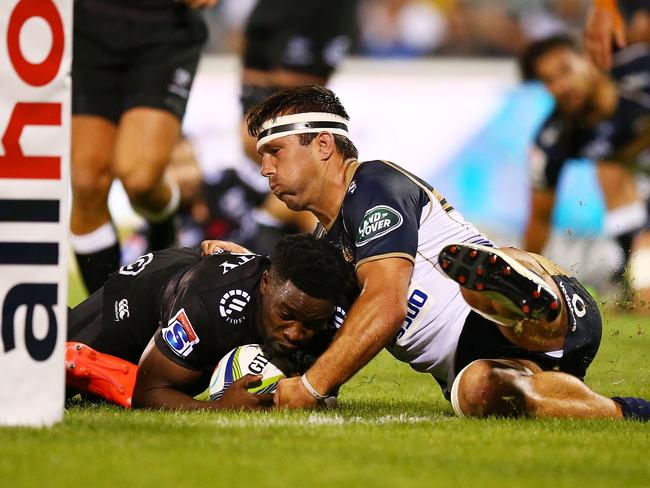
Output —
<point x="243" y="360"/>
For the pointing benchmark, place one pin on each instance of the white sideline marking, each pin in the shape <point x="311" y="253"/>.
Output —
<point x="320" y="419"/>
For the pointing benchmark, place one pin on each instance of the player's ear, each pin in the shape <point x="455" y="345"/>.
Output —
<point x="264" y="283"/>
<point x="326" y="144"/>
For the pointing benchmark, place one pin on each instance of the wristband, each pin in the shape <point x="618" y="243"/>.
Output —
<point x="312" y="391"/>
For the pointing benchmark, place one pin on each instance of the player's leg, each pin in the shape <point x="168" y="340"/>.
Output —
<point x="93" y="239"/>
<point x="96" y="101"/>
<point x="516" y="290"/>
<point x="92" y="361"/>
<point x="158" y="83"/>
<point x="639" y="272"/>
<point x="519" y="387"/>
<point x="145" y="140"/>
<point x="626" y="214"/>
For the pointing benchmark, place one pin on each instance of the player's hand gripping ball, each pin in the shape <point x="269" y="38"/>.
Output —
<point x="243" y="360"/>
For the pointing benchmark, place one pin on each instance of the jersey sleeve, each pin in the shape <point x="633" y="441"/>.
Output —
<point x="547" y="156"/>
<point x="185" y="335"/>
<point x="382" y="216"/>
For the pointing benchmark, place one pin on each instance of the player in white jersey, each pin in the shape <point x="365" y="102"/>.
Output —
<point x="516" y="336"/>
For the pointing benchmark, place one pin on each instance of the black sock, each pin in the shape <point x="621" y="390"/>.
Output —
<point x="96" y="266"/>
<point x="634" y="408"/>
<point x="161" y="235"/>
<point x="625" y="241"/>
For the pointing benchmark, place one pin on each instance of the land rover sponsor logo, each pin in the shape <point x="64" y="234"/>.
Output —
<point x="377" y="221"/>
<point x="232" y="306"/>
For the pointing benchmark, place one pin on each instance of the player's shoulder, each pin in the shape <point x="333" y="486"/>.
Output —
<point x="378" y="177"/>
<point x="632" y="65"/>
<point x="223" y="270"/>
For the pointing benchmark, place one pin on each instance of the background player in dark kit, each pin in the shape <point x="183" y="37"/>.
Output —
<point x="600" y="116"/>
<point x="133" y="67"/>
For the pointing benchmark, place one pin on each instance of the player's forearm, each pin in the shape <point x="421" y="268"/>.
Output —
<point x="164" y="398"/>
<point x="369" y="326"/>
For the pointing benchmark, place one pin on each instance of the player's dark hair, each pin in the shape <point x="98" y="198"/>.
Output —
<point x="298" y="100"/>
<point x="532" y="54"/>
<point x="313" y="265"/>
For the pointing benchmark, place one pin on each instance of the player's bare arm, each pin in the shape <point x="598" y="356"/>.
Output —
<point x="159" y="378"/>
<point x="603" y="28"/>
<point x="371" y="323"/>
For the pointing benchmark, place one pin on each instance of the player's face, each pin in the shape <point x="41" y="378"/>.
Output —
<point x="568" y="76"/>
<point x="292" y="170"/>
<point x="290" y="318"/>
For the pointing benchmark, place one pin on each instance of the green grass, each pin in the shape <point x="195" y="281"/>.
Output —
<point x="393" y="429"/>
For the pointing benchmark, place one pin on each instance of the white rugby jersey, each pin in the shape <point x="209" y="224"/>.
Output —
<point x="388" y="212"/>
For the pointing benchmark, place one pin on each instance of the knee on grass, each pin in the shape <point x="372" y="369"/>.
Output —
<point x="490" y="387"/>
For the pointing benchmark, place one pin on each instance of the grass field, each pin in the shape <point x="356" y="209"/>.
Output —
<point x="393" y="429"/>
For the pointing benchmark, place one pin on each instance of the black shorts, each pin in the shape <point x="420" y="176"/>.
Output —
<point x="86" y="325"/>
<point x="305" y="36"/>
<point x="125" y="57"/>
<point x="481" y="338"/>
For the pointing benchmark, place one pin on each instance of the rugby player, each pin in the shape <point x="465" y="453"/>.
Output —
<point x="599" y="116"/>
<point x="177" y="315"/>
<point x="133" y="67"/>
<point x="509" y="334"/>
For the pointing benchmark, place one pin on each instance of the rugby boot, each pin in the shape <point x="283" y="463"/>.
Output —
<point x="503" y="279"/>
<point x="106" y="376"/>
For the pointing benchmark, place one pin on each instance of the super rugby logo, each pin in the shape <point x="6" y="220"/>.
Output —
<point x="232" y="306"/>
<point x="136" y="266"/>
<point x="377" y="221"/>
<point x="179" y="334"/>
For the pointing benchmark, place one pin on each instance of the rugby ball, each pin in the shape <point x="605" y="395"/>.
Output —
<point x="243" y="360"/>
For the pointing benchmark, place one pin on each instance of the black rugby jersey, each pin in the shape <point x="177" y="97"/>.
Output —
<point x="619" y="138"/>
<point x="198" y="308"/>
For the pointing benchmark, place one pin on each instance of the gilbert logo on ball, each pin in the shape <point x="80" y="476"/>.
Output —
<point x="243" y="360"/>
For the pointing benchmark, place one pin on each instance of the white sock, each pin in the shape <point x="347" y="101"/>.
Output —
<point x="97" y="240"/>
<point x="625" y="219"/>
<point x="169" y="209"/>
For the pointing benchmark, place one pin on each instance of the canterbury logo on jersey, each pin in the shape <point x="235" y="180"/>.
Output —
<point x="232" y="306"/>
<point x="136" y="266"/>
<point x="121" y="309"/>
<point x="377" y="221"/>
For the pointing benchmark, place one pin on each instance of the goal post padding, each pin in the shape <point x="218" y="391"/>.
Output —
<point x="35" y="62"/>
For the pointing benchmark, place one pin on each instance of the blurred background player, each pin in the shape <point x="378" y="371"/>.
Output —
<point x="598" y="116"/>
<point x="283" y="43"/>
<point x="133" y="67"/>
<point x="287" y="43"/>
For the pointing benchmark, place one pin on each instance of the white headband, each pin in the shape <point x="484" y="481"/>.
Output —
<point x="286" y="125"/>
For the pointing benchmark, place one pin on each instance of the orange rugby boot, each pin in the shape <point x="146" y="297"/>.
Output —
<point x="106" y="376"/>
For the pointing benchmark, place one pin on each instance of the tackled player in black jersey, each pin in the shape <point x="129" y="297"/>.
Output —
<point x="177" y="315"/>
